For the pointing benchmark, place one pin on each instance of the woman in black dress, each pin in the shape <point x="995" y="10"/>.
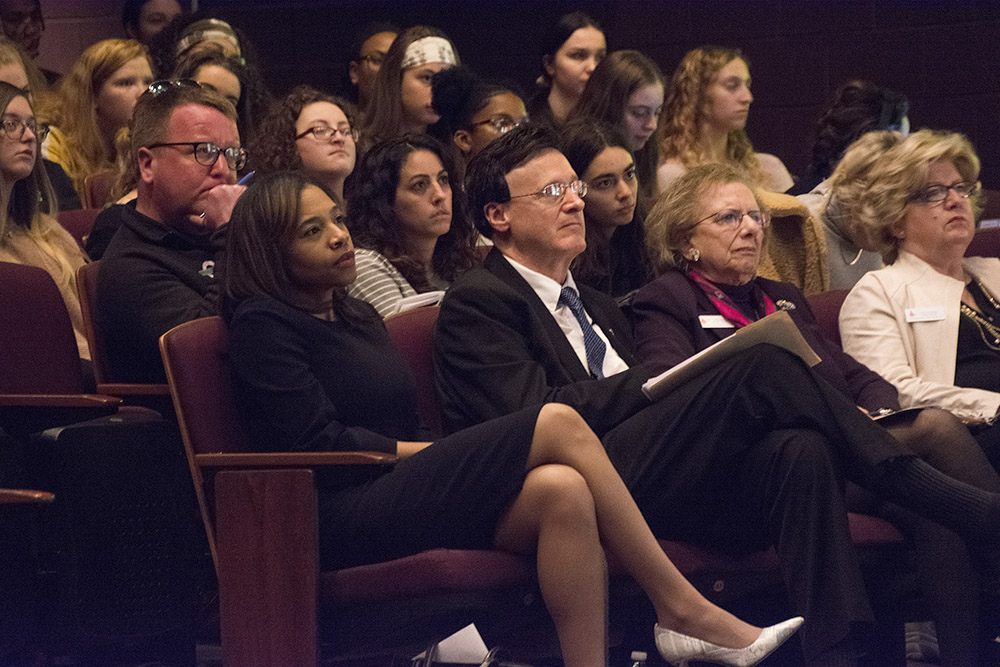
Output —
<point x="315" y="370"/>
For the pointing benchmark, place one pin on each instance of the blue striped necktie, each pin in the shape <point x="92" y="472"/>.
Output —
<point x="592" y="343"/>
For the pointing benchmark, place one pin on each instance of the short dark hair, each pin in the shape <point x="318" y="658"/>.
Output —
<point x="153" y="111"/>
<point x="486" y="178"/>
<point x="366" y="33"/>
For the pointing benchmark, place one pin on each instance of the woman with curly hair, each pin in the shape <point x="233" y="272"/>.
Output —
<point x="704" y="118"/>
<point x="406" y="212"/>
<point x="858" y="107"/>
<point x="401" y="102"/>
<point x="94" y="101"/>
<point x="626" y="92"/>
<point x="311" y="132"/>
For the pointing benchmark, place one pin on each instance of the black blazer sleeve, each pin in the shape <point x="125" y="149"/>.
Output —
<point x="495" y="353"/>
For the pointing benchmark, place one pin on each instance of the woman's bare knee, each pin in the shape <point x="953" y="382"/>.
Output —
<point x="552" y="494"/>
<point x="561" y="429"/>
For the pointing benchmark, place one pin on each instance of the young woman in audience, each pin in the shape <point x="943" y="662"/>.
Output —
<point x="705" y="236"/>
<point x="571" y="50"/>
<point x="626" y="91"/>
<point x="28" y="232"/>
<point x="95" y="100"/>
<point x="473" y="113"/>
<point x="929" y="322"/>
<point x="311" y="132"/>
<point x="407" y="214"/>
<point x="315" y="370"/>
<point x="705" y="116"/>
<point x="615" y="260"/>
<point x="20" y="71"/>
<point x="231" y="78"/>
<point x="858" y="107"/>
<point x="401" y="102"/>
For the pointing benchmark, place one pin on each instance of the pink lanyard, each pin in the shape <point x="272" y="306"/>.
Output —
<point x="725" y="305"/>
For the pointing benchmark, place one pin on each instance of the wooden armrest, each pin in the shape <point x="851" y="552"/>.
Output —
<point x="21" y="414"/>
<point x="132" y="389"/>
<point x="17" y="496"/>
<point x="288" y="459"/>
<point x="58" y="401"/>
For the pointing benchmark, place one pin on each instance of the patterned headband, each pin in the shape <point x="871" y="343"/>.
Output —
<point x="429" y="50"/>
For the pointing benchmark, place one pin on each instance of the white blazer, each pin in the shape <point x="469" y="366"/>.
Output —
<point x="902" y="322"/>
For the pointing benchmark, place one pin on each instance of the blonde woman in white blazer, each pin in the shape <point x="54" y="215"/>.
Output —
<point x="929" y="322"/>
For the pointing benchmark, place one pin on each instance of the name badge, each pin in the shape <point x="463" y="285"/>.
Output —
<point x="929" y="314"/>
<point x="714" y="322"/>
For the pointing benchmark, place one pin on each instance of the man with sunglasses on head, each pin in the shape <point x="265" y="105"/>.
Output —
<point x="159" y="268"/>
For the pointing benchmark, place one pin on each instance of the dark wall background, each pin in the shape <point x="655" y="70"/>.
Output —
<point x="944" y="56"/>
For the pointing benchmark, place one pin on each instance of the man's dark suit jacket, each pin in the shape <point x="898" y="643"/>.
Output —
<point x="498" y="349"/>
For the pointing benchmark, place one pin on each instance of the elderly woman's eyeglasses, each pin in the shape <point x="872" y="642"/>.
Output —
<point x="327" y="133"/>
<point x="14" y="129"/>
<point x="732" y="218"/>
<point x="938" y="192"/>
<point x="501" y="123"/>
<point x="556" y="191"/>
<point x="207" y="154"/>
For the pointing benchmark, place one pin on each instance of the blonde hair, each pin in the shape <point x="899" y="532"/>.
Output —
<point x="684" y="112"/>
<point x="74" y="113"/>
<point x="12" y="54"/>
<point x="877" y="204"/>
<point x="672" y="220"/>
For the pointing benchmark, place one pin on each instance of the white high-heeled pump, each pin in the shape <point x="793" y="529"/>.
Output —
<point x="679" y="650"/>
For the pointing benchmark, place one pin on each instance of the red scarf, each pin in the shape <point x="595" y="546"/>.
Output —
<point x="724" y="304"/>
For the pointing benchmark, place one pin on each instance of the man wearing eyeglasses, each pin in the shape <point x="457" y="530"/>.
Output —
<point x="722" y="453"/>
<point x="159" y="268"/>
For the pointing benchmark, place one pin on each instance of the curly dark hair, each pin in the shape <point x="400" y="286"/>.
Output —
<point x="371" y="212"/>
<point x="858" y="107"/>
<point x="274" y="149"/>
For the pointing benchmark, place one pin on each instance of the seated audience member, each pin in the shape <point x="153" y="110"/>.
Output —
<point x="28" y="232"/>
<point x="615" y="260"/>
<point x="473" y="113"/>
<point x="626" y="92"/>
<point x="233" y="79"/>
<point x="22" y="23"/>
<point x="705" y="235"/>
<point x="159" y="269"/>
<point x="571" y="50"/>
<point x="858" y="107"/>
<point x="208" y="34"/>
<point x="311" y="132"/>
<point x="143" y="20"/>
<point x="846" y="260"/>
<point x="18" y="70"/>
<point x="751" y="442"/>
<point x="407" y="215"/>
<point x="929" y="322"/>
<point x="372" y="44"/>
<point x="314" y="370"/>
<point x="705" y="116"/>
<point x="401" y="102"/>
<point x="94" y="101"/>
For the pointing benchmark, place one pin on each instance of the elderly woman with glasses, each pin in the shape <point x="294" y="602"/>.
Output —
<point x="929" y="322"/>
<point x="704" y="237"/>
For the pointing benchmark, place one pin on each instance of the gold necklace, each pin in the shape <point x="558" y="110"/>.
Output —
<point x="987" y="329"/>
